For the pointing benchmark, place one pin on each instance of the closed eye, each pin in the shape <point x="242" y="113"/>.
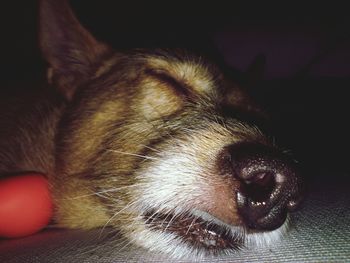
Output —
<point x="180" y="88"/>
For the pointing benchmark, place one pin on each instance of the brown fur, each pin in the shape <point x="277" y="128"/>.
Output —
<point x="115" y="108"/>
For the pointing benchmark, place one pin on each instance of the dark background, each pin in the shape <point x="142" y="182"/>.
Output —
<point x="307" y="50"/>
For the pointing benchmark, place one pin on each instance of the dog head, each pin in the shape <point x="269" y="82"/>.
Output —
<point x="165" y="142"/>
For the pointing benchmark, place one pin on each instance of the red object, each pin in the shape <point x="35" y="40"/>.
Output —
<point x="25" y="205"/>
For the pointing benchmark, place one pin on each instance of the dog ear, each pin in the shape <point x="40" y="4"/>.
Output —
<point x="242" y="96"/>
<point x="68" y="47"/>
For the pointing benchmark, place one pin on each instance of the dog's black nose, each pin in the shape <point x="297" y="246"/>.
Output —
<point x="270" y="185"/>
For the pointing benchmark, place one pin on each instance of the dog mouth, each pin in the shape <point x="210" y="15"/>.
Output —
<point x="194" y="230"/>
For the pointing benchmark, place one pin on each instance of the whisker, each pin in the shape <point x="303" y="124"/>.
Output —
<point x="117" y="213"/>
<point x="167" y="214"/>
<point x="152" y="216"/>
<point x="192" y="223"/>
<point x="128" y="242"/>
<point x="169" y="223"/>
<point x="105" y="191"/>
<point x="151" y="148"/>
<point x="134" y="154"/>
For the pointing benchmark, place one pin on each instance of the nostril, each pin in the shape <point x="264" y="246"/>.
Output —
<point x="257" y="178"/>
<point x="260" y="178"/>
<point x="259" y="186"/>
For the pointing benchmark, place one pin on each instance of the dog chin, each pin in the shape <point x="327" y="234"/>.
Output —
<point x="176" y="245"/>
<point x="251" y="238"/>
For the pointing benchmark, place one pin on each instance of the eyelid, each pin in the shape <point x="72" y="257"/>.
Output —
<point x="180" y="88"/>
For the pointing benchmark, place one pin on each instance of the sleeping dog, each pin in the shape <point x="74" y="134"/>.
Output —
<point x="151" y="142"/>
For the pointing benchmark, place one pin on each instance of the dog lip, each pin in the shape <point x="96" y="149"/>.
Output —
<point x="270" y="216"/>
<point x="194" y="230"/>
<point x="272" y="220"/>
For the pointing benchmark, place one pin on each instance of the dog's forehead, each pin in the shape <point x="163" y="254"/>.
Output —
<point x="187" y="69"/>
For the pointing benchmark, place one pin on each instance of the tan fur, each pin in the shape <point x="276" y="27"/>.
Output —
<point x="120" y="115"/>
<point x="194" y="74"/>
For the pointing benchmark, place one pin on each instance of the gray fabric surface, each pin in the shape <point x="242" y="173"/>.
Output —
<point x="321" y="234"/>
